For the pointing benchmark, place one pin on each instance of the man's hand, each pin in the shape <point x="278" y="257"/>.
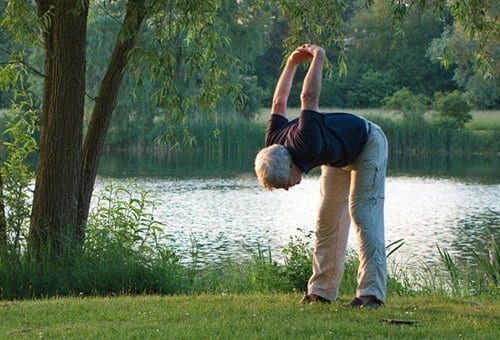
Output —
<point x="305" y="52"/>
<point x="298" y="57"/>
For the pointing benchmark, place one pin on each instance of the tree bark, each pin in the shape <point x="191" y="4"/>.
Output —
<point x="54" y="212"/>
<point x="103" y="109"/>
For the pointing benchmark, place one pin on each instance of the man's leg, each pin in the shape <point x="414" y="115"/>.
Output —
<point x="332" y="231"/>
<point x="367" y="212"/>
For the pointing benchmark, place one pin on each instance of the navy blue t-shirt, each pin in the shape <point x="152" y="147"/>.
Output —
<point x="314" y="138"/>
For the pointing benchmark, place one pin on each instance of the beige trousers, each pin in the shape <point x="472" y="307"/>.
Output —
<point x="354" y="194"/>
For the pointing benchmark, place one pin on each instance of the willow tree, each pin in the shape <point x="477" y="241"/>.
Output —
<point x="187" y="46"/>
<point x="68" y="162"/>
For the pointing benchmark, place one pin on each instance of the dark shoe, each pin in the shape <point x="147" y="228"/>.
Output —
<point x="371" y="304"/>
<point x="356" y="303"/>
<point x="312" y="298"/>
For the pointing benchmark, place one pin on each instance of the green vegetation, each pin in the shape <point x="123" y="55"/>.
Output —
<point x="420" y="135"/>
<point x="249" y="316"/>
<point x="136" y="70"/>
<point x="485" y="121"/>
<point x="126" y="252"/>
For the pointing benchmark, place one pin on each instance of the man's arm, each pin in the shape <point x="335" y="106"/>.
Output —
<point x="311" y="87"/>
<point x="280" y="98"/>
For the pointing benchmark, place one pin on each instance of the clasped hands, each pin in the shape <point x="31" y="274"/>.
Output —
<point x="305" y="52"/>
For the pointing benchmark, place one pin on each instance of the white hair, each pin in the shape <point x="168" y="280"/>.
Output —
<point x="272" y="166"/>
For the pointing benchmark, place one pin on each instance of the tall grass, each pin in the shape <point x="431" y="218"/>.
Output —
<point x="419" y="137"/>
<point x="423" y="138"/>
<point x="234" y="136"/>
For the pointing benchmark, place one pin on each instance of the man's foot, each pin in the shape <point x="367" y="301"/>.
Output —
<point x="370" y="302"/>
<point x="312" y="298"/>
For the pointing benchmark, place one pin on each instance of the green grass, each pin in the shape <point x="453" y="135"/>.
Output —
<point x="293" y="112"/>
<point x="481" y="120"/>
<point x="485" y="120"/>
<point x="234" y="136"/>
<point x="247" y="316"/>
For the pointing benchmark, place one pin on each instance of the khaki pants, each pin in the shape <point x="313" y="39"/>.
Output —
<point x="354" y="194"/>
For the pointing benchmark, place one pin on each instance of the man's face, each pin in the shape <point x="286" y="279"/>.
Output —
<point x="294" y="177"/>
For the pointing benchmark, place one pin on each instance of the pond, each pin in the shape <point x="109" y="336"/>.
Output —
<point x="214" y="204"/>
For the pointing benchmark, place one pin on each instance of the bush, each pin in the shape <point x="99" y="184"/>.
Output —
<point x="412" y="106"/>
<point x="298" y="261"/>
<point x="453" y="110"/>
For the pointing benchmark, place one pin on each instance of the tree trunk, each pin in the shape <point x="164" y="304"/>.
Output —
<point x="103" y="109"/>
<point x="54" y="212"/>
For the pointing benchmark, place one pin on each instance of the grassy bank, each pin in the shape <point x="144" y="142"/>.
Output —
<point x="249" y="316"/>
<point x="126" y="252"/>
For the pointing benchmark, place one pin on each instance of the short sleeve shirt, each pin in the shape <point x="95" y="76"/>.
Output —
<point x="315" y="138"/>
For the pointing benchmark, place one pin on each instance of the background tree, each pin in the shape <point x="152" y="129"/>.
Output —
<point x="481" y="91"/>
<point x="383" y="60"/>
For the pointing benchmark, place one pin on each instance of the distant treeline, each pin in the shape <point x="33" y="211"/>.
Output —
<point x="380" y="61"/>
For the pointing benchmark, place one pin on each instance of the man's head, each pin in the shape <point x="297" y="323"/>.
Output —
<point x="275" y="169"/>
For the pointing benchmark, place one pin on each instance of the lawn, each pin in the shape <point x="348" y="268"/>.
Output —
<point x="485" y="120"/>
<point x="481" y="120"/>
<point x="247" y="316"/>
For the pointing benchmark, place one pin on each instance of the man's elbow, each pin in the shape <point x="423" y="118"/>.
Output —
<point x="279" y="104"/>
<point x="309" y="100"/>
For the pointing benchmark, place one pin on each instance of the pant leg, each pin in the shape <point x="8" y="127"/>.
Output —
<point x="332" y="231"/>
<point x="366" y="206"/>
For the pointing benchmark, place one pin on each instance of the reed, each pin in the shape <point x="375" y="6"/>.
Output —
<point x="227" y="134"/>
<point x="419" y="137"/>
<point x="424" y="138"/>
<point x="231" y="135"/>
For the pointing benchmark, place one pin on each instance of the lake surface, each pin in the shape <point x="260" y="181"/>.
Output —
<point x="216" y="203"/>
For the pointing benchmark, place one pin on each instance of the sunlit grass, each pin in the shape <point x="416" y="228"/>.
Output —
<point x="293" y="112"/>
<point x="481" y="119"/>
<point x="249" y="316"/>
<point x="485" y="120"/>
<point x="425" y="137"/>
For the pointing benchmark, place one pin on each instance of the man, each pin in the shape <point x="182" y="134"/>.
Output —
<point x="352" y="153"/>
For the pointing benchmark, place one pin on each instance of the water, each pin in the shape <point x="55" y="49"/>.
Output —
<point x="223" y="211"/>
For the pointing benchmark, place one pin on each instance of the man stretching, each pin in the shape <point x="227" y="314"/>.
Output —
<point x="352" y="153"/>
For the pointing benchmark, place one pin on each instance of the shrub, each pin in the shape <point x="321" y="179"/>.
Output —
<point x="453" y="110"/>
<point x="412" y="106"/>
<point x="298" y="261"/>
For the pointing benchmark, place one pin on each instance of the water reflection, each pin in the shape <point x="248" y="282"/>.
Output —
<point x="471" y="168"/>
<point x="203" y="164"/>
<point x="215" y="208"/>
<point x="191" y="163"/>
<point x="475" y="230"/>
